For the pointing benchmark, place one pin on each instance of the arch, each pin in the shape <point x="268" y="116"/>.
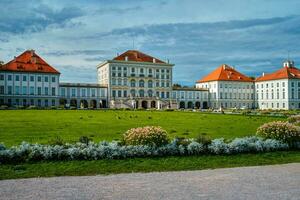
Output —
<point x="153" y="104"/>
<point x="84" y="103"/>
<point x="182" y="104"/>
<point x="144" y="104"/>
<point x="93" y="103"/>
<point x="102" y="104"/>
<point x="190" y="104"/>
<point x="197" y="105"/>
<point x="132" y="83"/>
<point x="150" y="84"/>
<point x="73" y="103"/>
<point x="205" y="105"/>
<point x="150" y="93"/>
<point x="141" y="93"/>
<point x="141" y="83"/>
<point x="132" y="93"/>
<point x="62" y="102"/>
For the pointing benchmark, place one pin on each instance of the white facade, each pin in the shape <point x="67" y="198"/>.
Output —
<point x="230" y="94"/>
<point x="191" y="98"/>
<point x="149" y="84"/>
<point x="25" y="88"/>
<point x="278" y="94"/>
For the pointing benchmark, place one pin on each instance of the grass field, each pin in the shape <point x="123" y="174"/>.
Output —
<point x="80" y="168"/>
<point x="43" y="125"/>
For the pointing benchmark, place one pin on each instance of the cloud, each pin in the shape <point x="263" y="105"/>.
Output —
<point x="77" y="52"/>
<point x="19" y="17"/>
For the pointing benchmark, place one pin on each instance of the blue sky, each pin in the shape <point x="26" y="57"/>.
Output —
<point x="197" y="36"/>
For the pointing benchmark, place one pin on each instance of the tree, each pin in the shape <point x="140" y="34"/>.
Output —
<point x="1" y="63"/>
<point x="176" y="85"/>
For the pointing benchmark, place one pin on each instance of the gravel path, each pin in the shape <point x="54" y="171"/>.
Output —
<point x="264" y="182"/>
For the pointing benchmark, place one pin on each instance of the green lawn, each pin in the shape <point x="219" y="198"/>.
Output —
<point x="43" y="125"/>
<point x="79" y="168"/>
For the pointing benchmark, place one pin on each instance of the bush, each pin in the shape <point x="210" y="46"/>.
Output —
<point x="105" y="150"/>
<point x="149" y="135"/>
<point x="203" y="139"/>
<point x="294" y="119"/>
<point x="85" y="139"/>
<point x="283" y="131"/>
<point x="56" y="141"/>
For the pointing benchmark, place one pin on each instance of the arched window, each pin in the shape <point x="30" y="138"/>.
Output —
<point x="150" y="84"/>
<point x="132" y="83"/>
<point x="141" y="83"/>
<point x="150" y="93"/>
<point x="132" y="93"/>
<point x="141" y="93"/>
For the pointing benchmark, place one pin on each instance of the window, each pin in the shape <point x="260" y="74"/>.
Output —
<point x="9" y="77"/>
<point x="39" y="79"/>
<point x="46" y="103"/>
<point x="17" y="77"/>
<point x="125" y="93"/>
<point x="39" y="90"/>
<point x="17" y="89"/>
<point x="293" y="84"/>
<point x="83" y="92"/>
<point x="31" y="90"/>
<point x="141" y="93"/>
<point x="293" y="91"/>
<point x="150" y="93"/>
<point x="113" y="93"/>
<point x="132" y="83"/>
<point x="119" y="93"/>
<point x="53" y="91"/>
<point x="53" y="102"/>
<point x="63" y="91"/>
<point x="9" y="89"/>
<point x="141" y="83"/>
<point x="31" y="78"/>
<point x="157" y="83"/>
<point x="1" y="77"/>
<point x="93" y="92"/>
<point x="283" y="94"/>
<point x="163" y="95"/>
<point x="132" y="93"/>
<point x="46" y="78"/>
<point x="24" y="78"/>
<point x="1" y="89"/>
<point x="46" y="91"/>
<point x="73" y="92"/>
<point x="24" y="90"/>
<point x="150" y="84"/>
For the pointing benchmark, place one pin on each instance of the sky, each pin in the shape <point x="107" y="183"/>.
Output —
<point x="254" y="36"/>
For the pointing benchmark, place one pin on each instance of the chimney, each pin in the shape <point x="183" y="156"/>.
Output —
<point x="168" y="61"/>
<point x="126" y="58"/>
<point x="153" y="60"/>
<point x="224" y="66"/>
<point x="263" y="74"/>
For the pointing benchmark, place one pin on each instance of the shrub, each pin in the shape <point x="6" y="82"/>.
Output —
<point x="294" y="119"/>
<point x="149" y="135"/>
<point x="203" y="139"/>
<point x="85" y="139"/>
<point x="56" y="141"/>
<point x="278" y="130"/>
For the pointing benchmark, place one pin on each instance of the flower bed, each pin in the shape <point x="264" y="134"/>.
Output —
<point x="113" y="150"/>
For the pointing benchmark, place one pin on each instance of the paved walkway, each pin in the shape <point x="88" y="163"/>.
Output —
<point x="266" y="182"/>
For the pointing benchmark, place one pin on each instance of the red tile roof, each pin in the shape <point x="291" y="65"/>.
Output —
<point x="137" y="56"/>
<point x="28" y="61"/>
<point x="225" y="73"/>
<point x="283" y="73"/>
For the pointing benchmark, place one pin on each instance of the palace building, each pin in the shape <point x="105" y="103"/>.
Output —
<point x="136" y="80"/>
